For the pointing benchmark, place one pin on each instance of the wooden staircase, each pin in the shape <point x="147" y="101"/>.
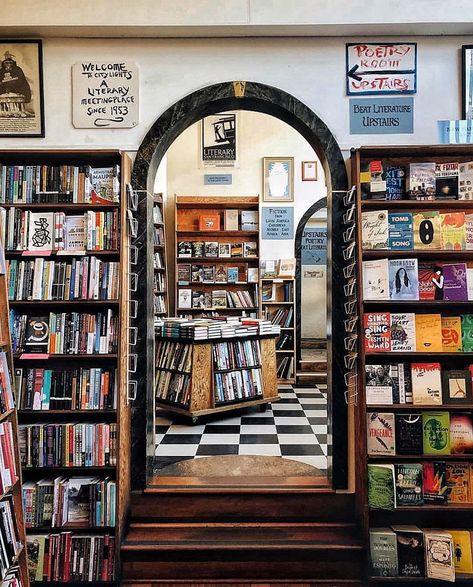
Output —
<point x="312" y="367"/>
<point x="221" y="536"/>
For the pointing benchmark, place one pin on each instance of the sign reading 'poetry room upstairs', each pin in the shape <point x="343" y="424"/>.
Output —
<point x="105" y="94"/>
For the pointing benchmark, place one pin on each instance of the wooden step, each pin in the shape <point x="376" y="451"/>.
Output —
<point x="310" y="365"/>
<point x="311" y="377"/>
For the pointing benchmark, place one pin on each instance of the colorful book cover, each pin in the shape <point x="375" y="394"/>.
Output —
<point x="446" y="181"/>
<point x="436" y="433"/>
<point x="408" y="434"/>
<point x="421" y="181"/>
<point x="378" y="385"/>
<point x="430" y="281"/>
<point x="374" y="229"/>
<point x="383" y="552"/>
<point x="451" y="334"/>
<point x="408" y="478"/>
<point x="461" y="433"/>
<point x="403" y="332"/>
<point x="403" y="279"/>
<point x="395" y="182"/>
<point x="380" y="433"/>
<point x="456" y="386"/>
<point x="427" y="230"/>
<point x="377" y="332"/>
<point x="439" y="555"/>
<point x="426" y="384"/>
<point x="401" y="235"/>
<point x="37" y="335"/>
<point x="462" y="556"/>
<point x="467" y="333"/>
<point x="465" y="181"/>
<point x="469" y="231"/>
<point x="453" y="231"/>
<point x="220" y="274"/>
<point x="381" y="489"/>
<point x="434" y="482"/>
<point x="232" y="274"/>
<point x="375" y="280"/>
<point x="458" y="482"/>
<point x="429" y="333"/>
<point x="410" y="551"/>
<point x="454" y="282"/>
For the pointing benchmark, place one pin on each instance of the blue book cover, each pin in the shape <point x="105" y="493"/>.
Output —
<point x="395" y="183"/>
<point x="401" y="234"/>
<point x="403" y="279"/>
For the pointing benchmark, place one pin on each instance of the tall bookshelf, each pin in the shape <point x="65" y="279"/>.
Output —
<point x="9" y="420"/>
<point x="160" y="283"/>
<point x="448" y="516"/>
<point x="101" y="425"/>
<point x="216" y="258"/>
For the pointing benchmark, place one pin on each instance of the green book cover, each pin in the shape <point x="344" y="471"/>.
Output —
<point x="467" y="333"/>
<point x="381" y="489"/>
<point x="383" y="552"/>
<point x="436" y="433"/>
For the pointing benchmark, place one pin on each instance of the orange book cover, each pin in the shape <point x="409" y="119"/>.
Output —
<point x="209" y="222"/>
<point x="428" y="333"/>
<point x="451" y="334"/>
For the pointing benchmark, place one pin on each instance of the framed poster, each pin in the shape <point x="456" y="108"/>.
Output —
<point x="278" y="179"/>
<point x="309" y="170"/>
<point x="219" y="140"/>
<point x="21" y="89"/>
<point x="467" y="82"/>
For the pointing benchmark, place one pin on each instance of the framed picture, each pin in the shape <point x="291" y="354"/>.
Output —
<point x="278" y="179"/>
<point x="467" y="81"/>
<point x="309" y="170"/>
<point x="219" y="140"/>
<point x="21" y="89"/>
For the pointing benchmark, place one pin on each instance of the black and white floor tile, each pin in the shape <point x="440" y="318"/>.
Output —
<point x="295" y="427"/>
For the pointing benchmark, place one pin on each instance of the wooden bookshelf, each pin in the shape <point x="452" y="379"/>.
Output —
<point x="451" y="515"/>
<point x="189" y="210"/>
<point x="160" y="277"/>
<point x="111" y="361"/>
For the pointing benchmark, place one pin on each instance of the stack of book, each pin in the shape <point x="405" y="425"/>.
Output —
<point x="202" y="329"/>
<point x="216" y="250"/>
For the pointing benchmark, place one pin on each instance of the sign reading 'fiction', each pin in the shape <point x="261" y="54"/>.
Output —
<point x="381" y="68"/>
<point x="277" y="223"/>
<point x="381" y="115"/>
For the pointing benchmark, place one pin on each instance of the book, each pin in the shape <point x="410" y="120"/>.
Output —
<point x="427" y="234"/>
<point x="375" y="280"/>
<point x="268" y="269"/>
<point x="267" y="292"/>
<point x="35" y="552"/>
<point x="232" y="274"/>
<point x="454" y="282"/>
<point x="380" y="434"/>
<point x="436" y="433"/>
<point x="219" y="298"/>
<point x="197" y="273"/>
<point x="430" y="281"/>
<point x="230" y="219"/>
<point x="426" y="384"/>
<point x="104" y="185"/>
<point x="402" y="382"/>
<point x="41" y="231"/>
<point x="403" y="279"/>
<point x="74" y="233"/>
<point x="374" y="229"/>
<point x="198" y="249"/>
<point x="428" y="333"/>
<point x="183" y="274"/>
<point x="250" y="249"/>
<point x="249" y="220"/>
<point x="224" y="250"/>
<point x="210" y="250"/>
<point x="252" y="275"/>
<point x="446" y="181"/>
<point x="184" y="249"/>
<point x="209" y="222"/>
<point x="287" y="268"/>
<point x="383" y="553"/>
<point x="403" y="332"/>
<point x="465" y="181"/>
<point x="462" y="557"/>
<point x="453" y="231"/>
<point x="381" y="488"/>
<point x="420" y="183"/>
<point x="408" y="478"/>
<point x="461" y="433"/>
<point x="467" y="333"/>
<point x="378" y="385"/>
<point x="400" y="231"/>
<point x="469" y="230"/>
<point x="434" y="482"/>
<point x="37" y="335"/>
<point x="395" y="182"/>
<point x="439" y="555"/>
<point x="377" y="332"/>
<point x="236" y="249"/>
<point x="184" y="299"/>
<point x="408" y="434"/>
<point x="410" y="551"/>
<point x="451" y="334"/>
<point x="456" y="386"/>
<point x="220" y="274"/>
<point x="458" y="482"/>
<point x="208" y="273"/>
<point x="469" y="280"/>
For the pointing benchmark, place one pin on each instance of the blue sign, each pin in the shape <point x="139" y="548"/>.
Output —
<point x="218" y="179"/>
<point x="314" y="246"/>
<point x="381" y="116"/>
<point x="277" y="223"/>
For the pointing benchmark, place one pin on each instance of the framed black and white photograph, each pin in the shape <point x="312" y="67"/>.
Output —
<point x="219" y="140"/>
<point x="467" y="82"/>
<point x="21" y="88"/>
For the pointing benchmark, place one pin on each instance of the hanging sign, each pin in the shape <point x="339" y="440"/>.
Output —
<point x="381" y="68"/>
<point x="219" y="147"/>
<point x="381" y="116"/>
<point x="105" y="94"/>
<point x="277" y="223"/>
<point x="314" y="246"/>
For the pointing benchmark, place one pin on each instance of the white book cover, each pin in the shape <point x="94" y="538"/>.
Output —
<point x="465" y="181"/>
<point x="403" y="332"/>
<point x="75" y="233"/>
<point x="403" y="279"/>
<point x="231" y="219"/>
<point x="375" y="280"/>
<point x="184" y="299"/>
<point x="380" y="433"/>
<point x="426" y="384"/>
<point x="378" y="385"/>
<point x="439" y="555"/>
<point x="41" y="231"/>
<point x="469" y="281"/>
<point x="252" y="275"/>
<point x="249" y="220"/>
<point x="469" y="231"/>
<point x="374" y="229"/>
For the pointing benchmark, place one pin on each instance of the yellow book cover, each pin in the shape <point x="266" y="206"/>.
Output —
<point x="451" y="334"/>
<point x="453" y="231"/>
<point x="427" y="233"/>
<point x="428" y="333"/>
<point x="458" y="482"/>
<point x="462" y="551"/>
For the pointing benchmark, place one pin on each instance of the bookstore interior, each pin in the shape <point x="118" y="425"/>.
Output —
<point x="201" y="303"/>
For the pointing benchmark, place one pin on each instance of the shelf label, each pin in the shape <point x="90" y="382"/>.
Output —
<point x="277" y="223"/>
<point x="218" y="179"/>
<point x="381" y="116"/>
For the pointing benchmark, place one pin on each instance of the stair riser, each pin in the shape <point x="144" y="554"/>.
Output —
<point x="313" y="367"/>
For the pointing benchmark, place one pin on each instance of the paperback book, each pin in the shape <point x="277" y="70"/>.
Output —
<point x="378" y="385"/>
<point x="456" y="386"/>
<point x="381" y="436"/>
<point x="427" y="233"/>
<point x="383" y="552"/>
<point x="403" y="332"/>
<point x="401" y="235"/>
<point x="461" y="433"/>
<point x="381" y="488"/>
<point x="395" y="182"/>
<point x="377" y="332"/>
<point x="446" y="181"/>
<point x="426" y="384"/>
<point x="462" y="551"/>
<point x="408" y="434"/>
<point x="403" y="279"/>
<point x="37" y="335"/>
<point x="467" y="333"/>
<point x="439" y="555"/>
<point x="421" y="181"/>
<point x="375" y="229"/>
<point x="453" y="231"/>
<point x="465" y="181"/>
<point x="454" y="282"/>
<point x="410" y="551"/>
<point x="451" y="334"/>
<point x="375" y="280"/>
<point x="458" y="482"/>
<point x="430" y="281"/>
<point x="408" y="477"/>
<point x="429" y="333"/>
<point x="436" y="433"/>
<point x="435" y="486"/>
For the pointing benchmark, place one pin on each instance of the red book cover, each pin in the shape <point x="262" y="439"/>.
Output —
<point x="377" y="332"/>
<point x="429" y="276"/>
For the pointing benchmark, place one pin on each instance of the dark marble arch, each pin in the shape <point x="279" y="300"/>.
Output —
<point x="211" y="100"/>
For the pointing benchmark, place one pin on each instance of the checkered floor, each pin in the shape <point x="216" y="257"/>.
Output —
<point x="295" y="428"/>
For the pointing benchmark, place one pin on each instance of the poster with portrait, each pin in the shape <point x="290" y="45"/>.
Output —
<point x="219" y="140"/>
<point x="21" y="89"/>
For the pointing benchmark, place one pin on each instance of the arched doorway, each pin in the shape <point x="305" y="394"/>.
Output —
<point x="211" y="100"/>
